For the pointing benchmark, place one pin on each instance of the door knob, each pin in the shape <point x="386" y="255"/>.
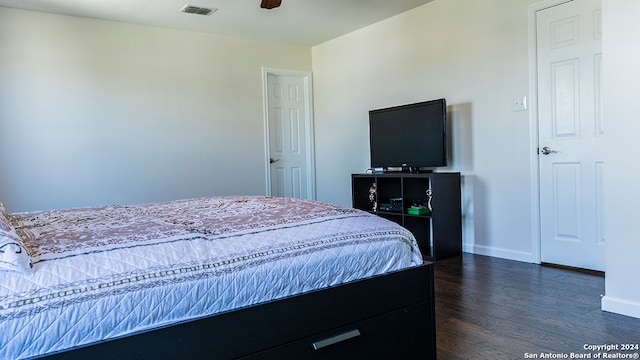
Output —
<point x="271" y="161"/>
<point x="547" y="150"/>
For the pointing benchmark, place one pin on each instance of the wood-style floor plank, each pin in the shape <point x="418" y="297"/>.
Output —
<point x="490" y="308"/>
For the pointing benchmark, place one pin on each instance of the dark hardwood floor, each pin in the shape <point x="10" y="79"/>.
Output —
<point x="490" y="308"/>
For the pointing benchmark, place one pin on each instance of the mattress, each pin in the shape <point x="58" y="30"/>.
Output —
<point x="107" y="272"/>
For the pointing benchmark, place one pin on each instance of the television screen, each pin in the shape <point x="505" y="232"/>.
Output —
<point x="410" y="136"/>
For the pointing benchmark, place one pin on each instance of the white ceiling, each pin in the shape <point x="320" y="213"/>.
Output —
<point x="299" y="22"/>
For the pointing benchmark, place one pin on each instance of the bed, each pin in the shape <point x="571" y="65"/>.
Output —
<point x="215" y="278"/>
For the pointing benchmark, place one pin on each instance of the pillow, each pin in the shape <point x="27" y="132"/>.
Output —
<point x="13" y="254"/>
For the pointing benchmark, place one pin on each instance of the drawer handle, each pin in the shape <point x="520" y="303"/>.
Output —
<point x="336" y="339"/>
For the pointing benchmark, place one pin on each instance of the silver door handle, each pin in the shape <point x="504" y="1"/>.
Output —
<point x="547" y="150"/>
<point x="271" y="161"/>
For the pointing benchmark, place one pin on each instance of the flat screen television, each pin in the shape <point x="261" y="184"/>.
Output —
<point x="409" y="137"/>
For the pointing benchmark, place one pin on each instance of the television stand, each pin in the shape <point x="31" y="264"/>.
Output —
<point x="405" y="197"/>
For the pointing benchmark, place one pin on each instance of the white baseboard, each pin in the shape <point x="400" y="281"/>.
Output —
<point x="500" y="253"/>
<point x="621" y="306"/>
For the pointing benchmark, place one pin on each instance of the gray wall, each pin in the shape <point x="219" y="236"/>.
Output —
<point x="473" y="53"/>
<point x="96" y="112"/>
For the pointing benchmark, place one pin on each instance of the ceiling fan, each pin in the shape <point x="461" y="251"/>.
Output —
<point x="270" y="4"/>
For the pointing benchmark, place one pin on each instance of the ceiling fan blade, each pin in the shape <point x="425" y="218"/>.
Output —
<point x="270" y="4"/>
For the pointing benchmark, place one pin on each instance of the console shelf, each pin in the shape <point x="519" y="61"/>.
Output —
<point x="389" y="195"/>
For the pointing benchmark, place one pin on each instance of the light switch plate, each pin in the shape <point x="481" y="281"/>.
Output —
<point x="519" y="103"/>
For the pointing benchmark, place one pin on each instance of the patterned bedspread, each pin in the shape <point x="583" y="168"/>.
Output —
<point x="110" y="271"/>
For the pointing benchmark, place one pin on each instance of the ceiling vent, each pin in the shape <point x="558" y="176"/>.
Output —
<point x="189" y="9"/>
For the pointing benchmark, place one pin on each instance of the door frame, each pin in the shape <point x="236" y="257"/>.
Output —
<point x="534" y="126"/>
<point x="308" y="119"/>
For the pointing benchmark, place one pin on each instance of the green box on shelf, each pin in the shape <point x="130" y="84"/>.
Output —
<point x="418" y="211"/>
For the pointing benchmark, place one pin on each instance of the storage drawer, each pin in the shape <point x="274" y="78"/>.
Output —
<point x="402" y="334"/>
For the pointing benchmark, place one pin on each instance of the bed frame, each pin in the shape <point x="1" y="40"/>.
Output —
<point x="389" y="316"/>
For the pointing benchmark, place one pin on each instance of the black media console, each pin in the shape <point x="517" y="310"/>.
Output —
<point x="406" y="198"/>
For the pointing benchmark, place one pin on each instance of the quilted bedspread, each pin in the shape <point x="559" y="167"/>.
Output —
<point x="106" y="272"/>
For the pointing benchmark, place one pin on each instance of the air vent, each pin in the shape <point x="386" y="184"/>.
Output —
<point x="189" y="9"/>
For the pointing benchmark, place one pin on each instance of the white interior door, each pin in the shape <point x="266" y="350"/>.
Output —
<point x="571" y="131"/>
<point x="290" y="136"/>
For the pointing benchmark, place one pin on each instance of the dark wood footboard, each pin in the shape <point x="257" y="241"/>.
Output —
<point x="389" y="316"/>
